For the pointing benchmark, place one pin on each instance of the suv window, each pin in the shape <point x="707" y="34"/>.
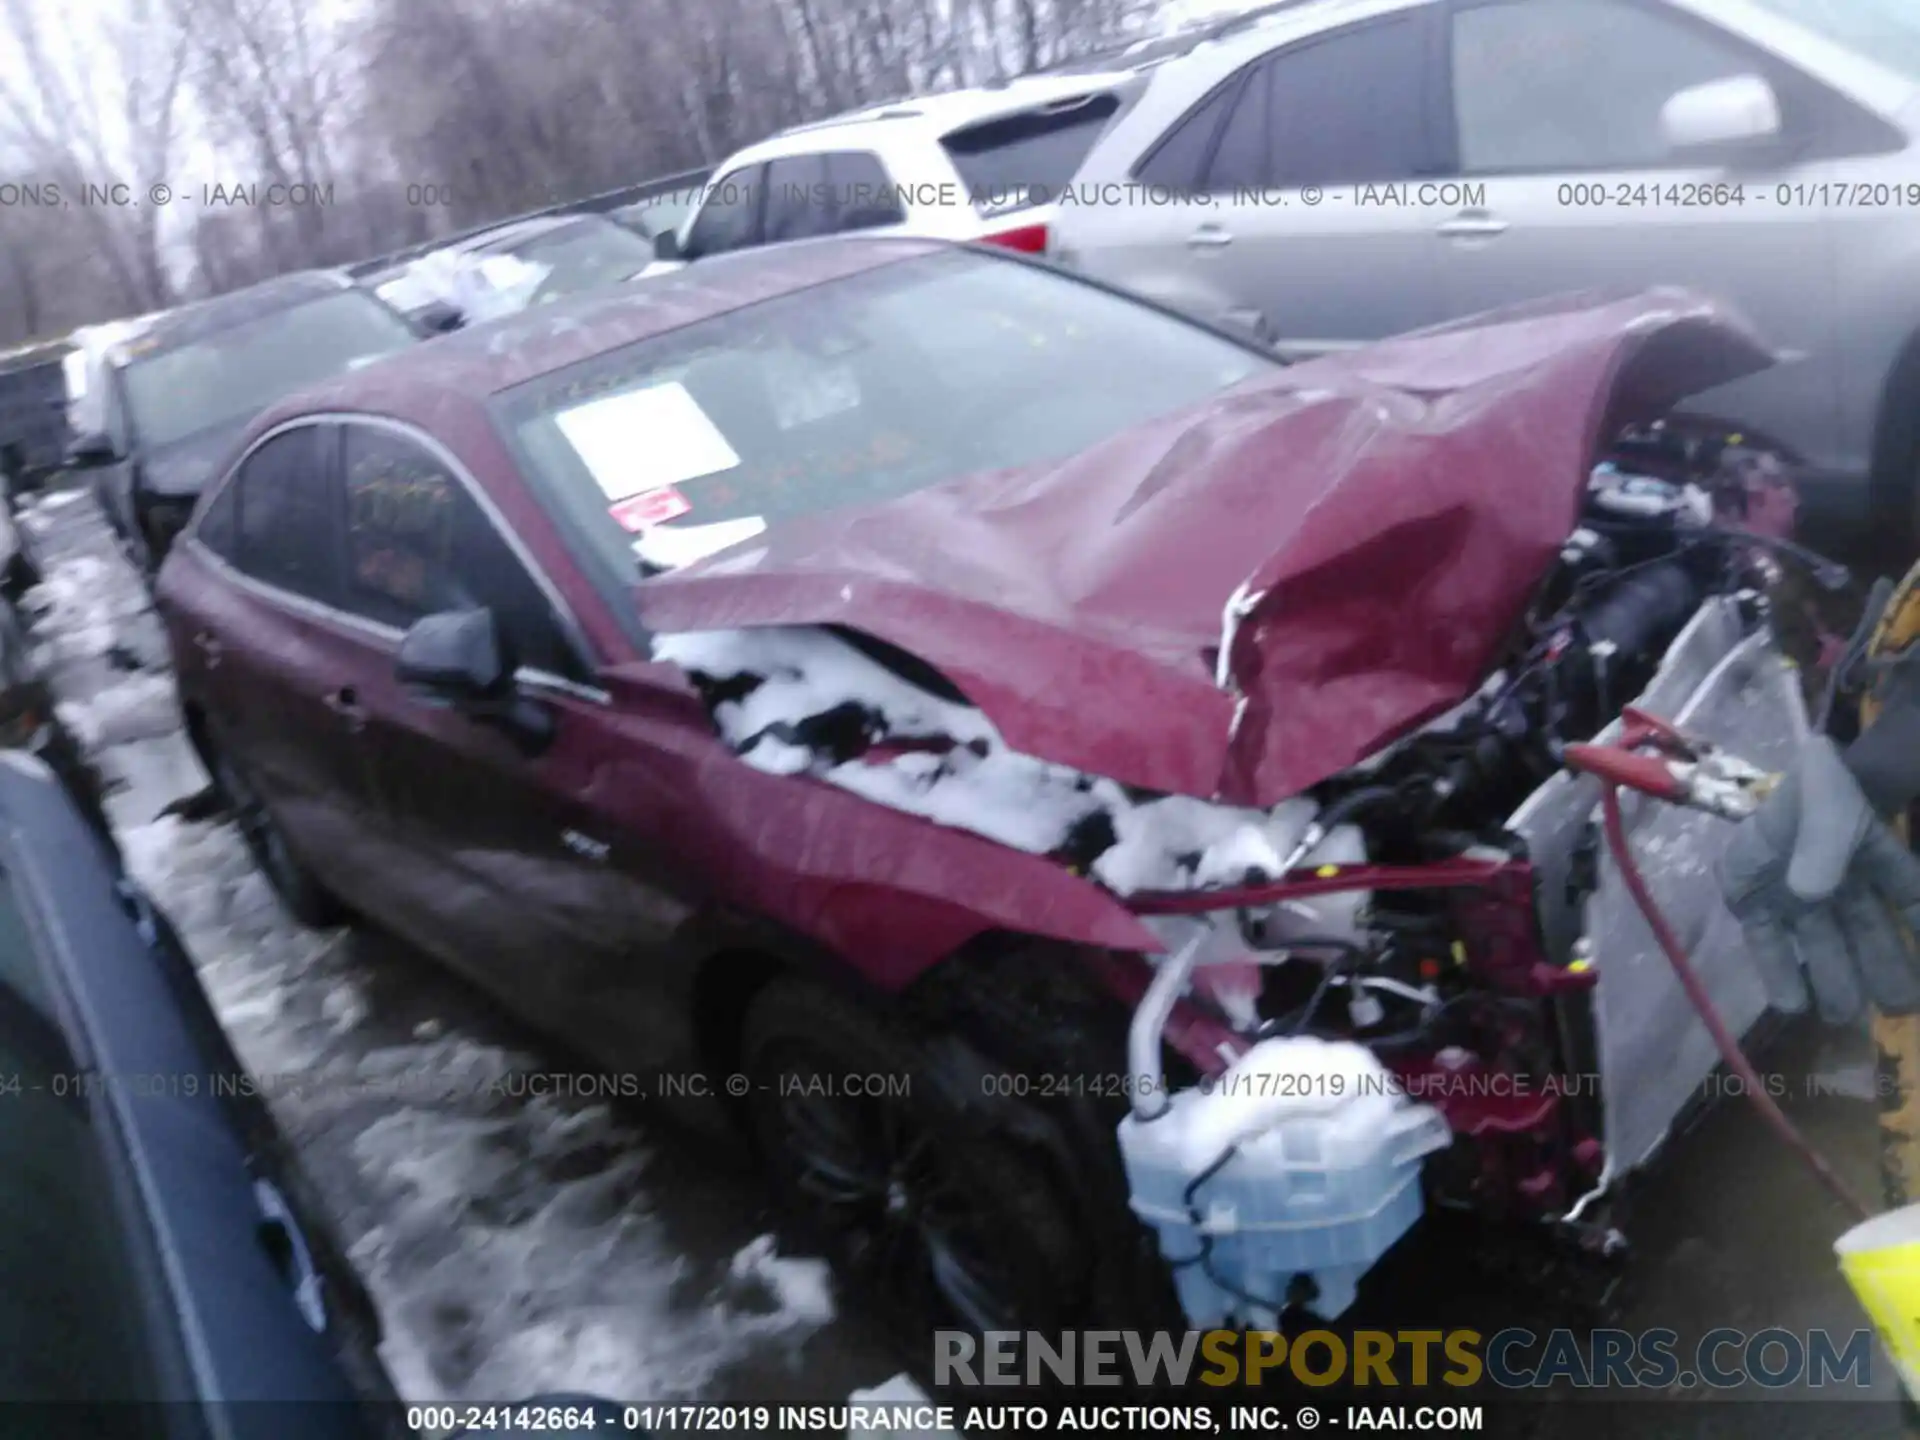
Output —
<point x="286" y="514"/>
<point x="1028" y="157"/>
<point x="418" y="543"/>
<point x="800" y="203"/>
<point x="1558" y="85"/>
<point x="729" y="217"/>
<point x="865" y="198"/>
<point x="1180" y="159"/>
<point x="1343" y="110"/>
<point x="1240" y="159"/>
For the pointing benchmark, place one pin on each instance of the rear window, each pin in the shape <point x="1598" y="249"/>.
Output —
<point x="1029" y="157"/>
<point x="849" y="393"/>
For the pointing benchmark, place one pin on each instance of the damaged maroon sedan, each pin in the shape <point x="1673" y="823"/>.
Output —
<point x="1087" y="794"/>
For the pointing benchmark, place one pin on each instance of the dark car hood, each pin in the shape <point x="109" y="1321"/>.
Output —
<point x="182" y="469"/>
<point x="1375" y="522"/>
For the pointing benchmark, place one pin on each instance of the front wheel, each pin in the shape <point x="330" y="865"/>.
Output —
<point x="935" y="1213"/>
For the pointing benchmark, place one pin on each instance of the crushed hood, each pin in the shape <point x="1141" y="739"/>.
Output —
<point x="1360" y="533"/>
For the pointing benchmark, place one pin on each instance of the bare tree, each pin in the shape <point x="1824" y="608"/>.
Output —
<point x="410" y="118"/>
<point x="96" y="110"/>
<point x="268" y="79"/>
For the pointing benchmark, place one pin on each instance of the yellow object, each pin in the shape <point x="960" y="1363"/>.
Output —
<point x="1327" y="872"/>
<point x="1881" y="1257"/>
<point x="1896" y="1038"/>
<point x="1881" y="1260"/>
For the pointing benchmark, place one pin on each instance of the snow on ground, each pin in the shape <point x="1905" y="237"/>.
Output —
<point x="514" y="1242"/>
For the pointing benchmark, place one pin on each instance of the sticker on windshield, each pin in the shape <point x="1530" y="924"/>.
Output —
<point x="650" y="508"/>
<point x="642" y="440"/>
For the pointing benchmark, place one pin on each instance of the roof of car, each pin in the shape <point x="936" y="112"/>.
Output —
<point x="497" y="355"/>
<point x="201" y="318"/>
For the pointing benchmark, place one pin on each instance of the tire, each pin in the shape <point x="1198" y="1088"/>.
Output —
<point x="300" y="893"/>
<point x="926" y="1206"/>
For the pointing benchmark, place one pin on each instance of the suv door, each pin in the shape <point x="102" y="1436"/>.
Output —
<point x="265" y="659"/>
<point x="1248" y="217"/>
<point x="512" y="876"/>
<point x="1556" y="110"/>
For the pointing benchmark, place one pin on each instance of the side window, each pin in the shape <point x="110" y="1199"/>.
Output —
<point x="219" y="525"/>
<point x="287" y="514"/>
<point x="1348" y="110"/>
<point x="729" y="217"/>
<point x="799" y="202"/>
<point x="1559" y="85"/>
<point x="1178" y="161"/>
<point x="417" y="542"/>
<point x="865" y="198"/>
<point x="1240" y="160"/>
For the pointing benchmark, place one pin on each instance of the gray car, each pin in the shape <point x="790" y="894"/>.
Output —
<point x="1342" y="170"/>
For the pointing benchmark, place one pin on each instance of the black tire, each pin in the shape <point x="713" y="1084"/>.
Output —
<point x="300" y="894"/>
<point x="925" y="1205"/>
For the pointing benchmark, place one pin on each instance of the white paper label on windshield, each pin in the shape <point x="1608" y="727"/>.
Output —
<point x="645" y="440"/>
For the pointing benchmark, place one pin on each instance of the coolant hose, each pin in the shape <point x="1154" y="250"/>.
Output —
<point x="1730" y="1052"/>
<point x="1147" y="1073"/>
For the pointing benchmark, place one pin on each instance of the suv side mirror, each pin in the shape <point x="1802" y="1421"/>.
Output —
<point x="1737" y="113"/>
<point x="437" y="317"/>
<point x="92" y="449"/>
<point x="460" y="660"/>
<point x="666" y="246"/>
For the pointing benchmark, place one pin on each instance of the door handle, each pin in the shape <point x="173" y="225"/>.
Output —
<point x="345" y="702"/>
<point x="1474" y="223"/>
<point x="209" y="649"/>
<point x="1210" y="237"/>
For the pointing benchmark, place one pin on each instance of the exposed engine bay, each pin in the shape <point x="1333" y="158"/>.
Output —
<point x="1437" y="993"/>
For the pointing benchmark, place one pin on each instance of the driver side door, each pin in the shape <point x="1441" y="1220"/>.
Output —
<point x="510" y="876"/>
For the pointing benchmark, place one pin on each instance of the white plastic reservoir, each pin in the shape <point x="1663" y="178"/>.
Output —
<point x="1302" y="1159"/>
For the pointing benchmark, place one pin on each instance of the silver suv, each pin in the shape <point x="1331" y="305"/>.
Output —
<point x="1342" y="170"/>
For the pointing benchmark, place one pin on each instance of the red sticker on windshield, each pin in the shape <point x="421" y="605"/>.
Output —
<point x="650" y="508"/>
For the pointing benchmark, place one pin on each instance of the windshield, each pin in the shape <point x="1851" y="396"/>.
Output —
<point x="231" y="374"/>
<point x="1884" y="30"/>
<point x="853" y="392"/>
<point x="584" y="257"/>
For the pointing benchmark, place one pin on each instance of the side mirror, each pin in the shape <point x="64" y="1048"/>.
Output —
<point x="1732" y="114"/>
<point x="437" y="317"/>
<point x="460" y="660"/>
<point x="457" y="657"/>
<point x="92" y="449"/>
<point x="666" y="246"/>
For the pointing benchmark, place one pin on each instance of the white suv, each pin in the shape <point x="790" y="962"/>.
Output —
<point x="970" y="165"/>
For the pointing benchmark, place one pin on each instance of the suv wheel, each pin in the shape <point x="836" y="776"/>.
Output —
<point x="304" y="897"/>
<point x="924" y="1205"/>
